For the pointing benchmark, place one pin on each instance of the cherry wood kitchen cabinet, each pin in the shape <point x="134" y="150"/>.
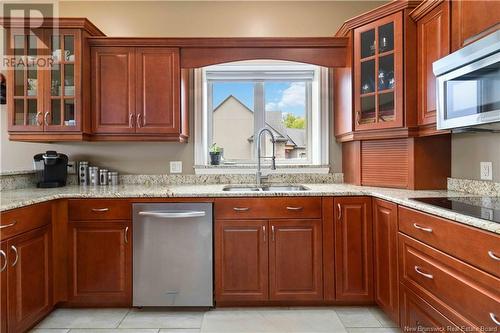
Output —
<point x="268" y="249"/>
<point x="100" y="263"/>
<point x="418" y="314"/>
<point x="47" y="99"/>
<point x="113" y="93"/>
<point x="353" y="249"/>
<point x="295" y="260"/>
<point x="3" y="286"/>
<point x="433" y="43"/>
<point x="136" y="94"/>
<point x="241" y="260"/>
<point x="385" y="257"/>
<point x="378" y="74"/>
<point x="29" y="278"/>
<point x="470" y="20"/>
<point x="158" y="91"/>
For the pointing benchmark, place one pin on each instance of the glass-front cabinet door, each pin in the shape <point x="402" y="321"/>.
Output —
<point x="378" y="86"/>
<point x="61" y="111"/>
<point x="43" y="84"/>
<point x="24" y="93"/>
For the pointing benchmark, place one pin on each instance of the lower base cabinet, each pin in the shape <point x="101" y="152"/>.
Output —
<point x="295" y="260"/>
<point x="385" y="257"/>
<point x="100" y="267"/>
<point x="353" y="249"/>
<point x="241" y="260"/>
<point x="419" y="316"/>
<point x="268" y="260"/>
<point x="29" y="279"/>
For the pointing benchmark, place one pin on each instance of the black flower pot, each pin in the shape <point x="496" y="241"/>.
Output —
<point x="214" y="158"/>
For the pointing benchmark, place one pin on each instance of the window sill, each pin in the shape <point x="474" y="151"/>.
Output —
<point x="243" y="169"/>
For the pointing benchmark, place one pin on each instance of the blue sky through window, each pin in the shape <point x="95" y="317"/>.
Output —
<point x="288" y="97"/>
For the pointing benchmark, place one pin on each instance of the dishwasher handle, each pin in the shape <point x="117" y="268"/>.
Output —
<point x="173" y="214"/>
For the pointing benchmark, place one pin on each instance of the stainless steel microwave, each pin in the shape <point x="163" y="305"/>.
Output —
<point x="468" y="85"/>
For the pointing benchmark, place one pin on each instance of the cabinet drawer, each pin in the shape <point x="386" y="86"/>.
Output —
<point x="481" y="248"/>
<point x="287" y="207"/>
<point x="16" y="221"/>
<point x="472" y="294"/>
<point x="419" y="316"/>
<point x="100" y="209"/>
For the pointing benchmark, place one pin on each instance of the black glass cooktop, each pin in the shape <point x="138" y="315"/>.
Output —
<point x="487" y="208"/>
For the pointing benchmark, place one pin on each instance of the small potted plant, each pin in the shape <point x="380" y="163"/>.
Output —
<point x="215" y="154"/>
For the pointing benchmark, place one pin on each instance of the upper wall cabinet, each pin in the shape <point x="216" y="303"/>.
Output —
<point x="136" y="94"/>
<point x="373" y="99"/>
<point x="46" y="79"/>
<point x="378" y="74"/>
<point x="433" y="43"/>
<point x="472" y="19"/>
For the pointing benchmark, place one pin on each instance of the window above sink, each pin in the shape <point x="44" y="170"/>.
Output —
<point x="233" y="101"/>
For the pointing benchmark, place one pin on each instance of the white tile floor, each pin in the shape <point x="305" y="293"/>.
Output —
<point x="224" y="320"/>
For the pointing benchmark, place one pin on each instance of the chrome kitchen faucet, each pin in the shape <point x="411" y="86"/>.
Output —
<point x="258" y="174"/>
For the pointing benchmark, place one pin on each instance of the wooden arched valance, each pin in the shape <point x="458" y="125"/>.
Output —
<point x="199" y="52"/>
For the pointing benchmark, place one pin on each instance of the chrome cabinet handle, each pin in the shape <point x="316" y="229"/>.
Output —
<point x="38" y="121"/>
<point x="131" y="120"/>
<point x="241" y="209"/>
<point x="264" y="231"/>
<point x="272" y="233"/>
<point x="126" y="235"/>
<point x="358" y="117"/>
<point x="46" y="119"/>
<point x="339" y="207"/>
<point x="139" y="120"/>
<point x="494" y="318"/>
<point x="419" y="271"/>
<point x="2" y="253"/>
<point x="100" y="209"/>
<point x="174" y="213"/>
<point x="416" y="226"/>
<point x="8" y="225"/>
<point x="493" y="255"/>
<point x="17" y="255"/>
<point x="294" y="208"/>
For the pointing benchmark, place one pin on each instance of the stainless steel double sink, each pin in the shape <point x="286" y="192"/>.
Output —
<point x="266" y="188"/>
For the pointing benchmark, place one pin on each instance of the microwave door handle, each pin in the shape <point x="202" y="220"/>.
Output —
<point x="174" y="214"/>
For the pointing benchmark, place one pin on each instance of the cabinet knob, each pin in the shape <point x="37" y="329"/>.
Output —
<point x="416" y="226"/>
<point x="418" y="269"/>
<point x="294" y="208"/>
<point x="46" y="118"/>
<point x="39" y="122"/>
<point x="126" y="235"/>
<point x="100" y="209"/>
<point x="339" y="207"/>
<point x="240" y="209"/>
<point x="494" y="318"/>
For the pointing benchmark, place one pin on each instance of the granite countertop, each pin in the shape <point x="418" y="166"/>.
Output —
<point x="22" y="197"/>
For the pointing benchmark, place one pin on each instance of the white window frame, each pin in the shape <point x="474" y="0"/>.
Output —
<point x="317" y="117"/>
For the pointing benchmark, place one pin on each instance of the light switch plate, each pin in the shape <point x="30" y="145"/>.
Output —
<point x="175" y="166"/>
<point x="486" y="170"/>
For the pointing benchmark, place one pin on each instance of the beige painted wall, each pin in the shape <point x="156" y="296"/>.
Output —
<point x="189" y="19"/>
<point x="468" y="150"/>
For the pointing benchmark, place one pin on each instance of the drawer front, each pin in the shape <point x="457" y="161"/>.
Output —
<point x="417" y="315"/>
<point x="473" y="294"/>
<point x="482" y="249"/>
<point x="16" y="221"/>
<point x="99" y="209"/>
<point x="248" y="208"/>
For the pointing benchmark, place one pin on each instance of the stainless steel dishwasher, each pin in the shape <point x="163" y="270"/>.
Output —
<point x="173" y="258"/>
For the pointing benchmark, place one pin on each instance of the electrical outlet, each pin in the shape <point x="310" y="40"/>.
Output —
<point x="175" y="166"/>
<point x="486" y="170"/>
<point x="71" y="167"/>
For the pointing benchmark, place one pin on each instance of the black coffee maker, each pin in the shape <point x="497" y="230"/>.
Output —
<point x="51" y="168"/>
